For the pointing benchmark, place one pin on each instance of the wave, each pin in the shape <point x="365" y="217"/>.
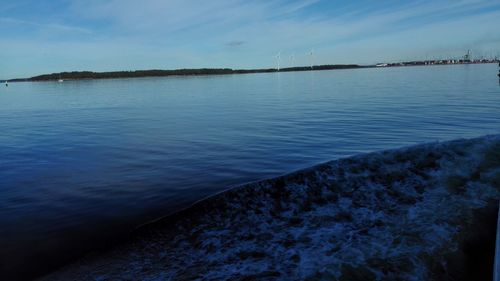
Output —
<point x="407" y="214"/>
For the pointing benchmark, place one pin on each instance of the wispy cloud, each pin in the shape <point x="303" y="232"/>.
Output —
<point x="236" y="43"/>
<point x="184" y="14"/>
<point x="275" y="20"/>
<point x="45" y="26"/>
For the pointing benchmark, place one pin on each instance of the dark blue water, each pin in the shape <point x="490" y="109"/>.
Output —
<point x="83" y="161"/>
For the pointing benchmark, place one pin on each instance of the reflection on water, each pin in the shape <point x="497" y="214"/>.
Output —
<point x="86" y="161"/>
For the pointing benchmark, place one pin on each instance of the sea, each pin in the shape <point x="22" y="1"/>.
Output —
<point x="84" y="163"/>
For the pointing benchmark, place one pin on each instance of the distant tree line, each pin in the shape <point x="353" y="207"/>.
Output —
<point x="79" y="75"/>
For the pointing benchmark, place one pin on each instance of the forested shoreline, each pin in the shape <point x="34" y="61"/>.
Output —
<point x="80" y="75"/>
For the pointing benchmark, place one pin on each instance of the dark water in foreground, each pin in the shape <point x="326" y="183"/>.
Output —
<point x="86" y="161"/>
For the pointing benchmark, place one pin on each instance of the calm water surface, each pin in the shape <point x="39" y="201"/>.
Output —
<point x="83" y="162"/>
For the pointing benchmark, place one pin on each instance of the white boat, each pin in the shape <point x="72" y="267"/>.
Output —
<point x="6" y="83"/>
<point x="60" y="80"/>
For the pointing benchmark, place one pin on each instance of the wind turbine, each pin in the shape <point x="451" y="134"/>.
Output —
<point x="292" y="60"/>
<point x="311" y="55"/>
<point x="278" y="59"/>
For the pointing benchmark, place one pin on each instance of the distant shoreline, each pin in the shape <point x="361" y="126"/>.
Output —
<point x="86" y="75"/>
<point x="90" y="75"/>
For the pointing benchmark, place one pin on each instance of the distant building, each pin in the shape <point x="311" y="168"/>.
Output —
<point x="467" y="57"/>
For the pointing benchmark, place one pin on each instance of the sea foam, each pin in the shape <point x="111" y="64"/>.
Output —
<point x="401" y="214"/>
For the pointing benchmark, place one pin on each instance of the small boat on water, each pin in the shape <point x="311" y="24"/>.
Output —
<point x="6" y="83"/>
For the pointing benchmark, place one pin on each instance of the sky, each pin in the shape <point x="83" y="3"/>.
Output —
<point x="46" y="36"/>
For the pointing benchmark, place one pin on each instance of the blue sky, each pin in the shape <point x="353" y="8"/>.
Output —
<point x="45" y="36"/>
